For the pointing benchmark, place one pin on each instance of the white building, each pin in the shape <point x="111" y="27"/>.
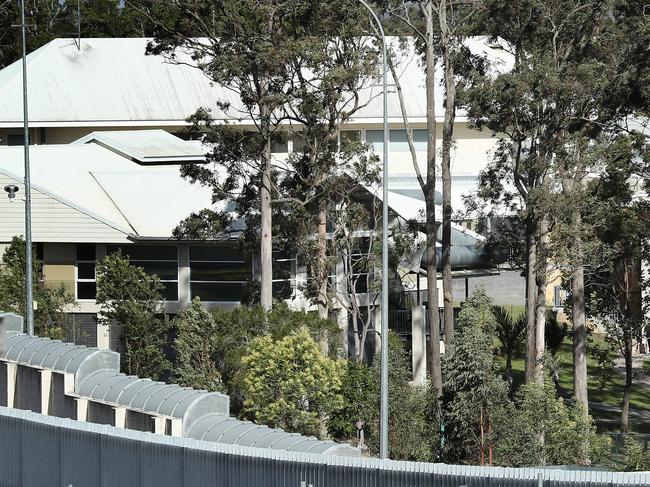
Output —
<point x="93" y="190"/>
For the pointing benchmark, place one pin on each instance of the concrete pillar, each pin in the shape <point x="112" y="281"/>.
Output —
<point x="12" y="370"/>
<point x="184" y="297"/>
<point x="159" y="425"/>
<point x="82" y="409"/>
<point x="120" y="417"/>
<point x="419" y="344"/>
<point x="68" y="384"/>
<point x="177" y="427"/>
<point x="46" y="389"/>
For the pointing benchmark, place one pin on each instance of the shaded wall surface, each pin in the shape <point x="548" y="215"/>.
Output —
<point x="40" y="450"/>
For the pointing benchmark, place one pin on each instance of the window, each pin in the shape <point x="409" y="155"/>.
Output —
<point x="284" y="276"/>
<point x="559" y="296"/>
<point x="279" y="143"/>
<point x="85" y="258"/>
<point x="16" y="139"/>
<point x="376" y="139"/>
<point x="420" y="138"/>
<point x="161" y="260"/>
<point x="218" y="273"/>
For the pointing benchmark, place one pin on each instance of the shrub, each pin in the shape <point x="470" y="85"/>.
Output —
<point x="359" y="390"/>
<point x="289" y="383"/>
<point x="412" y="419"/>
<point x="131" y="297"/>
<point x="197" y="346"/>
<point x="545" y="431"/>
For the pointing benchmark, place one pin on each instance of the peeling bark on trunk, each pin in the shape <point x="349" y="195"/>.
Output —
<point x="266" y="241"/>
<point x="579" y="336"/>
<point x="429" y="196"/>
<point x="531" y="302"/>
<point x="540" y="314"/>
<point x="625" y="411"/>
<point x="323" y="302"/>
<point x="447" y="140"/>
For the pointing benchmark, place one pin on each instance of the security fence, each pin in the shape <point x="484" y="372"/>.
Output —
<point x="38" y="450"/>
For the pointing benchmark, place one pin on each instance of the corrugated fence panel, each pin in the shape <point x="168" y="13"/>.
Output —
<point x="43" y="451"/>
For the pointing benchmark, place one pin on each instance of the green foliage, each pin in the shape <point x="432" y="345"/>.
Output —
<point x="196" y="348"/>
<point x="546" y="431"/>
<point x="475" y="399"/>
<point x="602" y="351"/>
<point x="636" y="459"/>
<point x="49" y="317"/>
<point x="510" y="330"/>
<point x="129" y="296"/>
<point x="358" y="389"/>
<point x="224" y="337"/>
<point x="412" y="420"/>
<point x="289" y="383"/>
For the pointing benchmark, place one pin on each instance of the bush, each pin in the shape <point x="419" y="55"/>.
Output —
<point x="636" y="459"/>
<point x="197" y="347"/>
<point x="359" y="390"/>
<point x="235" y="330"/>
<point x="545" y="431"/>
<point x="475" y="399"/>
<point x="289" y="383"/>
<point x="412" y="420"/>
<point x="129" y="296"/>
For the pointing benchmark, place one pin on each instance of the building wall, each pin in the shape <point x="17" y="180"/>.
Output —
<point x="52" y="221"/>
<point x="506" y="288"/>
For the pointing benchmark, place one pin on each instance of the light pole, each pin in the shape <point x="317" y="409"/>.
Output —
<point x="29" y="298"/>
<point x="383" y="408"/>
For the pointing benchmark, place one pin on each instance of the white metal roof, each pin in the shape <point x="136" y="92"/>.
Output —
<point x="145" y="201"/>
<point x="147" y="146"/>
<point x="112" y="81"/>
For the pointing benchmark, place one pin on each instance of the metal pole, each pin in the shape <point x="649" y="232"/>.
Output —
<point x="383" y="408"/>
<point x="29" y="299"/>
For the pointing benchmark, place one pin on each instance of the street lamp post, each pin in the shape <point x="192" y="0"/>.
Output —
<point x="29" y="298"/>
<point x="383" y="408"/>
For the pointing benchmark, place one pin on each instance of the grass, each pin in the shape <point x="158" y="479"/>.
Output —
<point x="609" y="393"/>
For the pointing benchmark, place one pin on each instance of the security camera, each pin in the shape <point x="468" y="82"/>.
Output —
<point x="11" y="190"/>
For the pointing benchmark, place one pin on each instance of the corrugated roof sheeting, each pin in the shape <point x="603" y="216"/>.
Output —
<point x="71" y="452"/>
<point x="58" y="356"/>
<point x="152" y="397"/>
<point x="112" y="80"/>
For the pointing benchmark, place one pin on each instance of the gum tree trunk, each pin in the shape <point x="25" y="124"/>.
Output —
<point x="266" y="239"/>
<point x="447" y="140"/>
<point x="531" y="300"/>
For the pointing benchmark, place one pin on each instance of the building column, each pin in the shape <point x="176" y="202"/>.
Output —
<point x="12" y="369"/>
<point x="159" y="425"/>
<point x="177" y="427"/>
<point x="46" y="390"/>
<point x="120" y="417"/>
<point x="184" y="296"/>
<point x="82" y="409"/>
<point x="419" y="344"/>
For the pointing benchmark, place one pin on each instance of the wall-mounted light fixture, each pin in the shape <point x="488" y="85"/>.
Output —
<point x="11" y="190"/>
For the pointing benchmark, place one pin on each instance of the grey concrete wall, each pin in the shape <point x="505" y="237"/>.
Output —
<point x="28" y="389"/>
<point x="100" y="413"/>
<point x="61" y="405"/>
<point x="508" y="287"/>
<point x="138" y="421"/>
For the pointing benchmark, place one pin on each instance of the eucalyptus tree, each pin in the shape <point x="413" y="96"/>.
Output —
<point x="563" y="75"/>
<point x="246" y="47"/>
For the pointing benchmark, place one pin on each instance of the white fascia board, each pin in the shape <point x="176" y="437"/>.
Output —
<point x="398" y="121"/>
